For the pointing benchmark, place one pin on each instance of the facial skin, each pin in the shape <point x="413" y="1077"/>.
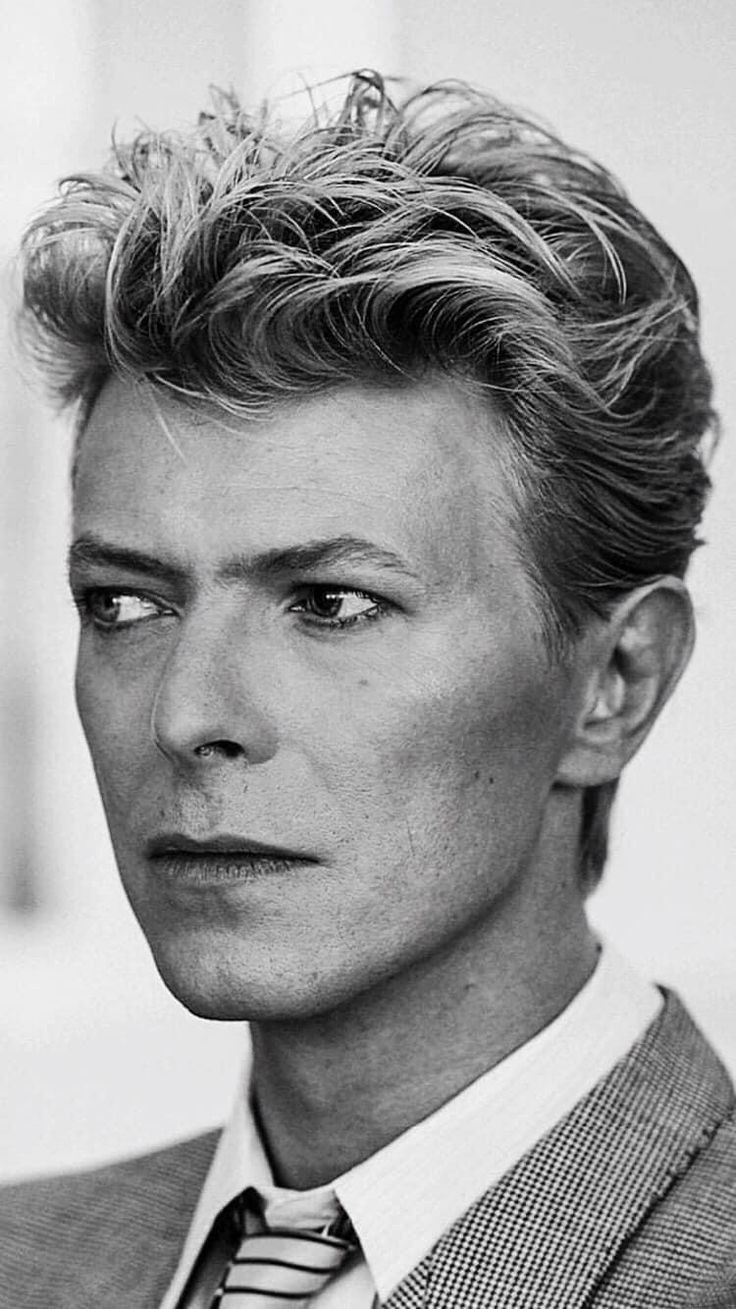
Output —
<point x="413" y="755"/>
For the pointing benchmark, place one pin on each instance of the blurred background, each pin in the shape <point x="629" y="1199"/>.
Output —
<point x="96" y="1059"/>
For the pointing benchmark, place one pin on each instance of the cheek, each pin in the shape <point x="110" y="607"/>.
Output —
<point x="92" y="701"/>
<point x="461" y="760"/>
<point x="437" y="791"/>
<point x="114" y="716"/>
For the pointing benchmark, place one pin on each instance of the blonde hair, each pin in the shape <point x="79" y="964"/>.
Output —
<point x="246" y="263"/>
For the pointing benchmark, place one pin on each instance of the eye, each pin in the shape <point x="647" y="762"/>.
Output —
<point x="110" y="610"/>
<point x="338" y="606"/>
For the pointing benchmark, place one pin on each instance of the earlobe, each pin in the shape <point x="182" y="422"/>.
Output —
<point x="631" y="665"/>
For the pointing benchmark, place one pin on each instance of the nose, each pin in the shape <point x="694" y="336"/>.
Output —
<point x="210" y="701"/>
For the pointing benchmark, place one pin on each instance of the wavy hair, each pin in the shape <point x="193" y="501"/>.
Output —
<point x="246" y="264"/>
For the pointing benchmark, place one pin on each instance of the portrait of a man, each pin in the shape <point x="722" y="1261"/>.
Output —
<point x="391" y="455"/>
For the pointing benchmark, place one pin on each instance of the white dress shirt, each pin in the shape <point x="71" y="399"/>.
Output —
<point x="402" y="1199"/>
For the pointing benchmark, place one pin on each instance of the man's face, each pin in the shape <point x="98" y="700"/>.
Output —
<point x="322" y="717"/>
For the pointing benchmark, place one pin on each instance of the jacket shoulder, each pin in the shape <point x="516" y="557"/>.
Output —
<point x="111" y="1229"/>
<point x="628" y="1201"/>
<point x="689" y="1236"/>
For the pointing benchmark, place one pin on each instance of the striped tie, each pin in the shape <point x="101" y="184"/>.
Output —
<point x="280" y="1267"/>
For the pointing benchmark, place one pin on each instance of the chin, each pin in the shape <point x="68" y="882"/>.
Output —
<point x="226" y="989"/>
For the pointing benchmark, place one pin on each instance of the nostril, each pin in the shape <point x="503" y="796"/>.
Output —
<point x="226" y="750"/>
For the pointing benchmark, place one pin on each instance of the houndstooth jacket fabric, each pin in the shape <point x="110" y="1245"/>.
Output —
<point x="628" y="1203"/>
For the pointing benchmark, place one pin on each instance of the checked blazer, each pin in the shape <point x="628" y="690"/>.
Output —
<point x="628" y="1203"/>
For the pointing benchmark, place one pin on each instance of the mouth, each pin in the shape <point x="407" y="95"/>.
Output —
<point x="220" y="859"/>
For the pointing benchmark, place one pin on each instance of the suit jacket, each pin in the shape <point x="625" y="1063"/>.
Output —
<point x="628" y="1203"/>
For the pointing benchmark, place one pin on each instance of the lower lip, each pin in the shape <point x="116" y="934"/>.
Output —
<point x="185" y="869"/>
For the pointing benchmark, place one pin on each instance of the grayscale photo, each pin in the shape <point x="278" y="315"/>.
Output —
<point x="367" y="891"/>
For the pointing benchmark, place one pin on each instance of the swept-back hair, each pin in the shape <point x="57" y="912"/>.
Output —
<point x="247" y="264"/>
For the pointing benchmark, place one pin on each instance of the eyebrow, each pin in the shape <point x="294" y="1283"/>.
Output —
<point x="89" y="551"/>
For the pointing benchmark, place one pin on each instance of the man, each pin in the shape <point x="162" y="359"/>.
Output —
<point x="388" y="469"/>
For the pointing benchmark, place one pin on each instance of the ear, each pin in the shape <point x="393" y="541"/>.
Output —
<point x="630" y="667"/>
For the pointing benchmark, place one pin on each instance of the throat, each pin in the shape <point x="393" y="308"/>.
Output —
<point x="330" y="1092"/>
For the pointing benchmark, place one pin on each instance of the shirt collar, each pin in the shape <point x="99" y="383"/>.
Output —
<point x="422" y="1181"/>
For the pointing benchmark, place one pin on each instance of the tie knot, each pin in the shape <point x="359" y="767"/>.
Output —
<point x="283" y="1267"/>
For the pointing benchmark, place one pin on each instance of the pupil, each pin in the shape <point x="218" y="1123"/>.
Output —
<point x="328" y="603"/>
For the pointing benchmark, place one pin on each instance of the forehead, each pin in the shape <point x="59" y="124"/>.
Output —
<point x="417" y="470"/>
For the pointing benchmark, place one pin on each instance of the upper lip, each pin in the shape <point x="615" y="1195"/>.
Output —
<point x="220" y="843"/>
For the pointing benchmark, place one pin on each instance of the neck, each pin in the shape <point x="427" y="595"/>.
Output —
<point x="334" y="1088"/>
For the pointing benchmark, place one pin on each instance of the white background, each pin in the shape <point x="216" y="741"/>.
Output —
<point x="95" y="1058"/>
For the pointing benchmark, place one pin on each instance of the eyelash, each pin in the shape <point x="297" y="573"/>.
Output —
<point x="378" y="607"/>
<point x="86" y="599"/>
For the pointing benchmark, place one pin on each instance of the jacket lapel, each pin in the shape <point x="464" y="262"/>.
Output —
<point x="549" y="1230"/>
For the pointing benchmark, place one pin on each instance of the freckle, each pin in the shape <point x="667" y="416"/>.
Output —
<point x="364" y="682"/>
<point x="491" y="780"/>
<point x="477" y="774"/>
